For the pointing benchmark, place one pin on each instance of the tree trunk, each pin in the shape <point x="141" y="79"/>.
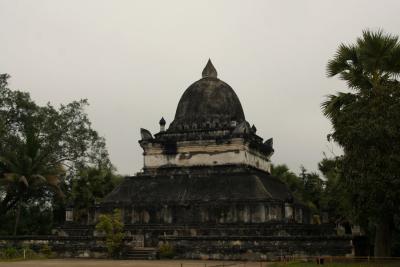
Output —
<point x="17" y="215"/>
<point x="383" y="238"/>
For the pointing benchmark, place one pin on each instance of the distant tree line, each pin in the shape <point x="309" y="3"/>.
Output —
<point x="320" y="191"/>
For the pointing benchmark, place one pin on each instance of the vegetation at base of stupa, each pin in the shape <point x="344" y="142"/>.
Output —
<point x="26" y="252"/>
<point x="166" y="251"/>
<point x="321" y="191"/>
<point x="90" y="186"/>
<point x="46" y="153"/>
<point x="308" y="187"/>
<point x="387" y="263"/>
<point x="111" y="226"/>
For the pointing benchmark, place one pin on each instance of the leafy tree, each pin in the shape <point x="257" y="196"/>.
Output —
<point x="91" y="185"/>
<point x="307" y="187"/>
<point x="36" y="218"/>
<point x="290" y="178"/>
<point x="313" y="188"/>
<point x="366" y="123"/>
<point x="112" y="227"/>
<point x="335" y="198"/>
<point x="41" y="148"/>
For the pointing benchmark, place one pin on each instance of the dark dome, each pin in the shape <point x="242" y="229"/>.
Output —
<point x="208" y="103"/>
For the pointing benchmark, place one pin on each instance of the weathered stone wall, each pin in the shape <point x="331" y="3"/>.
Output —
<point x="61" y="247"/>
<point x="201" y="241"/>
<point x="258" y="248"/>
<point x="205" y="153"/>
<point x="256" y="212"/>
<point x="252" y="212"/>
<point x="153" y="232"/>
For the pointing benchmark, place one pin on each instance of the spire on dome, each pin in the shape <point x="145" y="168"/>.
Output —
<point x="162" y="121"/>
<point x="209" y="70"/>
<point x="162" y="124"/>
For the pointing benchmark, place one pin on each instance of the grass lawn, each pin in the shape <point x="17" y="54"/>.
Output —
<point x="177" y="263"/>
<point x="338" y="264"/>
<point x="128" y="263"/>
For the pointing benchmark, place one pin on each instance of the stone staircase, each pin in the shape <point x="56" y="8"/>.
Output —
<point x="144" y="253"/>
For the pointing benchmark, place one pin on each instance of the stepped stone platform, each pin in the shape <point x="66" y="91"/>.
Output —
<point x="264" y="241"/>
<point x="140" y="254"/>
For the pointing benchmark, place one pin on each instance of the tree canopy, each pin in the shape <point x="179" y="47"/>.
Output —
<point x="42" y="150"/>
<point x="307" y="187"/>
<point x="366" y="124"/>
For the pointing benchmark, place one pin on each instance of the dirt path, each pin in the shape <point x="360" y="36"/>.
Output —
<point x="130" y="263"/>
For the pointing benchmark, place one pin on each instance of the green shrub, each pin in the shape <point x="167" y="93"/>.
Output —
<point x="29" y="253"/>
<point x="10" y="253"/>
<point x="111" y="225"/>
<point x="166" y="251"/>
<point x="46" y="250"/>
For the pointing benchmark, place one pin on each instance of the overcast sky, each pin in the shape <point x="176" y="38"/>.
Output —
<point x="133" y="60"/>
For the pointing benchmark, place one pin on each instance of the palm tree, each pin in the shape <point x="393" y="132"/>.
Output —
<point x="24" y="174"/>
<point x="371" y="63"/>
<point x="39" y="144"/>
<point x="366" y="67"/>
<point x="369" y="67"/>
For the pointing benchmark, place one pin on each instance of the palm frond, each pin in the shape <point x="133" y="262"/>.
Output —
<point x="394" y="61"/>
<point x="10" y="177"/>
<point x="372" y="61"/>
<point x="53" y="180"/>
<point x="375" y="50"/>
<point x="344" y="59"/>
<point x="38" y="179"/>
<point x="22" y="179"/>
<point x="9" y="163"/>
<point x="334" y="104"/>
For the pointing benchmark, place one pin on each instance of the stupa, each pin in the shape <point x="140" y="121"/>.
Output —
<point x="208" y="166"/>
<point x="206" y="187"/>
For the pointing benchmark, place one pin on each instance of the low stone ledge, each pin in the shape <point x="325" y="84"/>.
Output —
<point x="252" y="238"/>
<point x="48" y="237"/>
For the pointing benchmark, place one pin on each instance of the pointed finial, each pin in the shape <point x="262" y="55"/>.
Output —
<point x="253" y="128"/>
<point x="162" y="124"/>
<point x="162" y="121"/>
<point x="209" y="70"/>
